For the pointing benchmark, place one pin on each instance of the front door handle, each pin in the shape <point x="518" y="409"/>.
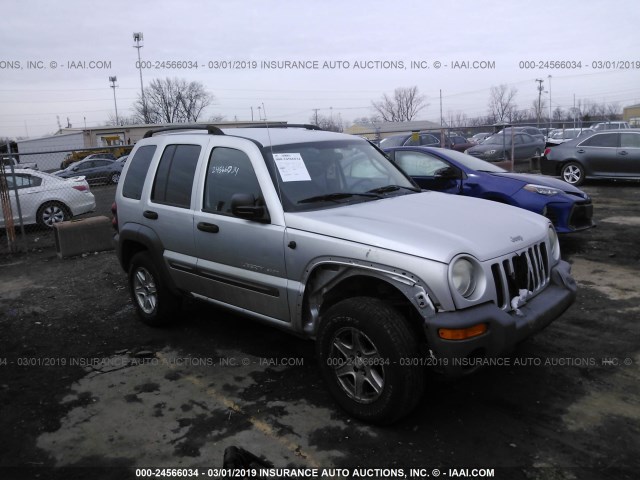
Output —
<point x="208" y="227"/>
<point x="623" y="152"/>
<point x="150" y="215"/>
<point x="581" y="151"/>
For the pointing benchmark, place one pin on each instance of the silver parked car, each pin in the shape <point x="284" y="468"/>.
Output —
<point x="606" y="154"/>
<point x="320" y="234"/>
<point x="46" y="199"/>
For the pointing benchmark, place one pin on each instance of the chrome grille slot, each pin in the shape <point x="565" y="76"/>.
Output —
<point x="524" y="270"/>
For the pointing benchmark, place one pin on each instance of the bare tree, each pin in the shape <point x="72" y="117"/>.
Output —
<point x="403" y="106"/>
<point x="559" y="114"/>
<point x="501" y="102"/>
<point x="459" y="120"/>
<point x="173" y="100"/>
<point x="612" y="111"/>
<point x="330" y="123"/>
<point x="132" y="120"/>
<point x="539" y="109"/>
<point x="368" y="121"/>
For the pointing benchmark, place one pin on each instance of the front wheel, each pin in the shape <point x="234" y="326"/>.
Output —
<point x="573" y="173"/>
<point x="368" y="358"/>
<point x="154" y="302"/>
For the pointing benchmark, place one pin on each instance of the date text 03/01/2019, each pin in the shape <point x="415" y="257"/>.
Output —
<point x="579" y="65"/>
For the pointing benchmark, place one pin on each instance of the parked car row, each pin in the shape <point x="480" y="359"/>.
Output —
<point x="46" y="199"/>
<point x="569" y="208"/>
<point x="95" y="170"/>
<point x="454" y="142"/>
<point x="604" y="154"/>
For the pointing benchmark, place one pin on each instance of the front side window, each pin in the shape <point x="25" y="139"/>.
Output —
<point x="602" y="140"/>
<point x="418" y="164"/>
<point x="229" y="172"/>
<point x="174" y="179"/>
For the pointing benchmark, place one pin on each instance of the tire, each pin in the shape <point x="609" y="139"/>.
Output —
<point x="154" y="303"/>
<point x="365" y="348"/>
<point x="572" y="173"/>
<point x="51" y="213"/>
<point x="114" y="178"/>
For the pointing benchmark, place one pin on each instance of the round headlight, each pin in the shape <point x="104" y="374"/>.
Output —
<point x="463" y="277"/>
<point x="554" y="243"/>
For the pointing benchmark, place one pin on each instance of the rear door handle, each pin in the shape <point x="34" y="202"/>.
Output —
<point x="208" y="227"/>
<point x="150" y="215"/>
<point x="623" y="152"/>
<point x="581" y="151"/>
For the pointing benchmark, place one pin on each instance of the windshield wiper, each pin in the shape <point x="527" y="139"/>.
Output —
<point x="391" y="188"/>
<point x="333" y="197"/>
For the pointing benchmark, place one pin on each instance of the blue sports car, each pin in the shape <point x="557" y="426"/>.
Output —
<point x="568" y="207"/>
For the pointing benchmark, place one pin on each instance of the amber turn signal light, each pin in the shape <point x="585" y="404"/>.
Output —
<point x="462" y="333"/>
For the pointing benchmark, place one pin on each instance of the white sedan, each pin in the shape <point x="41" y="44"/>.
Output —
<point x="46" y="199"/>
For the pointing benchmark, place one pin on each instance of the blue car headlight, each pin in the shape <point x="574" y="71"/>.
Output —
<point x="541" y="189"/>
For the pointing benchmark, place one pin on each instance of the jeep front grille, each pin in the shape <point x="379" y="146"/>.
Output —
<point x="528" y="270"/>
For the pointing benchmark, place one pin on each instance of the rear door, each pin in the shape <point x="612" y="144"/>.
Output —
<point x="628" y="155"/>
<point x="598" y="153"/>
<point x="169" y="210"/>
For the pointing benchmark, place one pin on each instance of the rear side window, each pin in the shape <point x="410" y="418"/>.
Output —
<point x="602" y="140"/>
<point x="174" y="179"/>
<point x="137" y="172"/>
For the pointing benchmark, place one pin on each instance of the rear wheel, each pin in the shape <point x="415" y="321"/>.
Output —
<point x="154" y="302"/>
<point x="573" y="173"/>
<point x="115" y="177"/>
<point x="52" y="213"/>
<point x="369" y="358"/>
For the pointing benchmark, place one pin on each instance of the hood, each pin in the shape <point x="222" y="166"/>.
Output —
<point x="542" y="180"/>
<point x="431" y="225"/>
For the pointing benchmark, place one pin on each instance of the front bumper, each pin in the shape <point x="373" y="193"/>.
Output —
<point x="505" y="329"/>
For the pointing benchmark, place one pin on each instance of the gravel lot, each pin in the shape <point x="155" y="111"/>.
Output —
<point x="87" y="391"/>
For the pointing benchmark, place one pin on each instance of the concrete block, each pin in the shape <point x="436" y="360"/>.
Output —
<point x="74" y="237"/>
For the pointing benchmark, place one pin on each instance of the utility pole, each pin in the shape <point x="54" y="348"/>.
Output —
<point x="113" y="85"/>
<point x="540" y="89"/>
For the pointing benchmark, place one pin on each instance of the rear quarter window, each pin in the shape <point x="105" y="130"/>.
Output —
<point x="138" y="168"/>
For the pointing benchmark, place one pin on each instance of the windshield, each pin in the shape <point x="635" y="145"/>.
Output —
<point x="497" y="139"/>
<point x="393" y="141"/>
<point x="474" y="163"/>
<point x="324" y="174"/>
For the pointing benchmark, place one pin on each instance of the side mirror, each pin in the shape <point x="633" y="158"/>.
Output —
<point x="243" y="205"/>
<point x="75" y="169"/>
<point x="448" y="173"/>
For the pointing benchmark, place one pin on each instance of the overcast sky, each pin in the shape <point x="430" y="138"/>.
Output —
<point x="52" y="34"/>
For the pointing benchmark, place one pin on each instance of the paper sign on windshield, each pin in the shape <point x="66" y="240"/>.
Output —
<point x="291" y="167"/>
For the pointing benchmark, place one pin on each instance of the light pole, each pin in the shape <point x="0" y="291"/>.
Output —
<point x="540" y="89"/>
<point x="138" y="37"/>
<point x="550" y="120"/>
<point x="113" y="85"/>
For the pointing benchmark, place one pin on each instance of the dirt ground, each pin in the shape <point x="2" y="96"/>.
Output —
<point x="87" y="391"/>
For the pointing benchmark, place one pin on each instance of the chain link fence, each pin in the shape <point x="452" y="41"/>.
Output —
<point x="41" y="188"/>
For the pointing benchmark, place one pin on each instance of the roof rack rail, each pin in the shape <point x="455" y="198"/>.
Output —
<point x="211" y="129"/>
<point x="288" y="125"/>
